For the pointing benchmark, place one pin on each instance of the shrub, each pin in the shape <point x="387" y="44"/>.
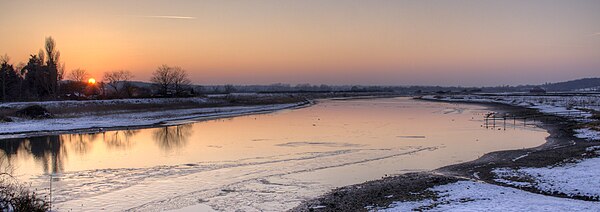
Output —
<point x="14" y="197"/>
<point x="35" y="112"/>
<point x="5" y="119"/>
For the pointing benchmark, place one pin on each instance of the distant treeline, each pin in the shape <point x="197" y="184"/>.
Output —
<point x="41" y="78"/>
<point x="586" y="84"/>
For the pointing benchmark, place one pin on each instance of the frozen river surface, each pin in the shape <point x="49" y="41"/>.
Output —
<point x="268" y="162"/>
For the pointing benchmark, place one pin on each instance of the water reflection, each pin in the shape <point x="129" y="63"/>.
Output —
<point x="48" y="151"/>
<point x="363" y="126"/>
<point x="119" y="139"/>
<point x="82" y="143"/>
<point x="52" y="152"/>
<point x="173" y="137"/>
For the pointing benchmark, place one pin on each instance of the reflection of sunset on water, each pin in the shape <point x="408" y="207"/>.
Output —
<point x="333" y="125"/>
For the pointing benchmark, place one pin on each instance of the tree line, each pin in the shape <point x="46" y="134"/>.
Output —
<point x="42" y="78"/>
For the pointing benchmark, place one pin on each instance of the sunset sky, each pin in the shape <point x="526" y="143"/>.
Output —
<point x="316" y="41"/>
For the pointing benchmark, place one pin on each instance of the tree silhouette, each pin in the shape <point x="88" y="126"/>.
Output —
<point x="118" y="80"/>
<point x="9" y="79"/>
<point x="43" y="72"/>
<point x="36" y="76"/>
<point x="162" y="78"/>
<point x="180" y="80"/>
<point x="78" y="75"/>
<point x="168" y="79"/>
<point x="55" y="71"/>
<point x="77" y="85"/>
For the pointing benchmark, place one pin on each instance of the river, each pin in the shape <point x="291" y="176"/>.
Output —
<point x="265" y="162"/>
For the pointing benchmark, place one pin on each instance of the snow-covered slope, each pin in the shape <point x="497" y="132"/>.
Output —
<point x="476" y="196"/>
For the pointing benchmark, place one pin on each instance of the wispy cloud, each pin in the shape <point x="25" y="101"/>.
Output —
<point x="595" y="34"/>
<point x="165" y="16"/>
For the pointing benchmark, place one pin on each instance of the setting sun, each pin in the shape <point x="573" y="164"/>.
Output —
<point x="271" y="105"/>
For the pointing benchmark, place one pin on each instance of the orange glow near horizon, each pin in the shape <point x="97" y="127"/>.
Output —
<point x="334" y="42"/>
<point x="91" y="81"/>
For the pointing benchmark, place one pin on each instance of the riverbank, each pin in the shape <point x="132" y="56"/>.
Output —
<point x="525" y="179"/>
<point x="117" y="114"/>
<point x="102" y="115"/>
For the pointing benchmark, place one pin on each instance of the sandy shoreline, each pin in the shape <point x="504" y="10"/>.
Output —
<point x="561" y="145"/>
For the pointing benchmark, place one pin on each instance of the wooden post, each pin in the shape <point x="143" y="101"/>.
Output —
<point x="486" y="121"/>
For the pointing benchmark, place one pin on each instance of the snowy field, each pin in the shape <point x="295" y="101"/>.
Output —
<point x="476" y="196"/>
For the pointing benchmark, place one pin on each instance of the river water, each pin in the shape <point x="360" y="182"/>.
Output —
<point x="265" y="162"/>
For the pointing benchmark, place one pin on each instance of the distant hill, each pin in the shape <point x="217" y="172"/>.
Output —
<point x="574" y="85"/>
<point x="141" y="84"/>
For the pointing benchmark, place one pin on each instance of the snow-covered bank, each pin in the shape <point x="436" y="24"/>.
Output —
<point x="588" y="134"/>
<point x="476" y="196"/>
<point x="573" y="179"/>
<point x="575" y="107"/>
<point x="84" y="103"/>
<point x="24" y="127"/>
<point x="561" y="165"/>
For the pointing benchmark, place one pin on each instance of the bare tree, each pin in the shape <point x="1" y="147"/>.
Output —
<point x="78" y="75"/>
<point x="114" y="78"/>
<point x="166" y="78"/>
<point x="229" y="88"/>
<point x="162" y="78"/>
<point x="180" y="80"/>
<point x="53" y="63"/>
<point x="78" y="84"/>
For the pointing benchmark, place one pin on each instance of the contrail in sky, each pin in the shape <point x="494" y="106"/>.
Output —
<point x="165" y="16"/>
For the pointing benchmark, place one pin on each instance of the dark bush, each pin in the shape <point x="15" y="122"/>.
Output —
<point x="34" y="112"/>
<point x="5" y="119"/>
<point x="14" y="197"/>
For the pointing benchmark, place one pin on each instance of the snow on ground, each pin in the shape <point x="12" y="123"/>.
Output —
<point x="588" y="134"/>
<point x="573" y="179"/>
<point x="169" y="117"/>
<point x="572" y="107"/>
<point x="566" y="106"/>
<point x="476" y="196"/>
<point x="79" y="103"/>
